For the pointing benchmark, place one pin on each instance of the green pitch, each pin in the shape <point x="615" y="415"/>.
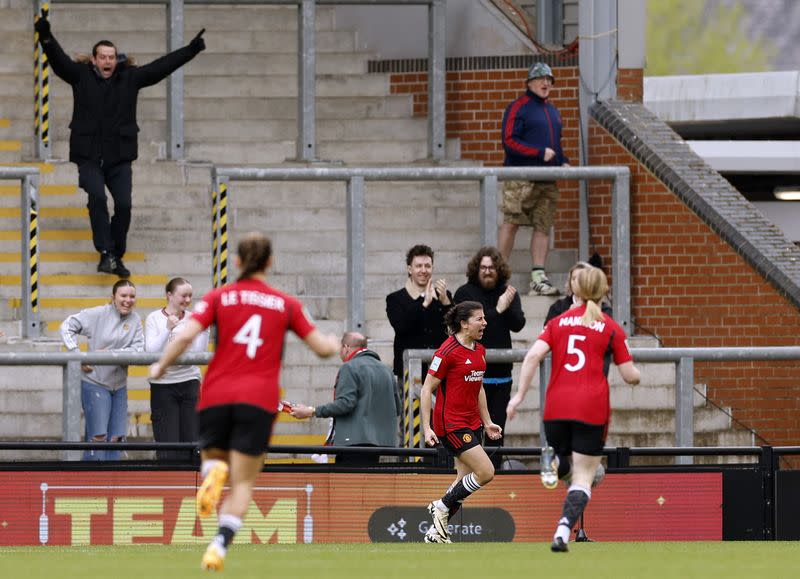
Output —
<point x="412" y="561"/>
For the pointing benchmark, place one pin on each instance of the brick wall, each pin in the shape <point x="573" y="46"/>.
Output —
<point x="475" y="102"/>
<point x="694" y="290"/>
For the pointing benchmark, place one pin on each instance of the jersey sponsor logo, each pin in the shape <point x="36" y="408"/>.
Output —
<point x="474" y="376"/>
<point x="467" y="438"/>
<point x="435" y="363"/>
<point x="596" y="325"/>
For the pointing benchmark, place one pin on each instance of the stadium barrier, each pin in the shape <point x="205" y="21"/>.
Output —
<point x="117" y="503"/>
<point x="683" y="358"/>
<point x="356" y="177"/>
<point x="306" y="70"/>
<point x="29" y="247"/>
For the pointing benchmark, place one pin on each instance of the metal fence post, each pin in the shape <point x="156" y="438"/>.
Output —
<point x="29" y="234"/>
<point x="175" y="147"/>
<point x="219" y="229"/>
<point x="71" y="407"/>
<point x="306" y="81"/>
<point x="621" y="249"/>
<point x="437" y="46"/>
<point x="489" y="210"/>
<point x="684" y="407"/>
<point x="356" y="254"/>
<point x="544" y="377"/>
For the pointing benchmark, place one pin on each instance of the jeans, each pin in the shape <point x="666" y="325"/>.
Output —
<point x="106" y="415"/>
<point x="174" y="417"/>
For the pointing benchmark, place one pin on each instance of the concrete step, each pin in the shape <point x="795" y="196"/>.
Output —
<point x="135" y="17"/>
<point x="133" y="41"/>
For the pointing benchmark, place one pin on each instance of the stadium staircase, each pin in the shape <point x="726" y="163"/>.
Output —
<point x="240" y="109"/>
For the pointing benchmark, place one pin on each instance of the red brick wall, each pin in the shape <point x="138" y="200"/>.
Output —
<point x="475" y="102"/>
<point x="629" y="85"/>
<point x="694" y="290"/>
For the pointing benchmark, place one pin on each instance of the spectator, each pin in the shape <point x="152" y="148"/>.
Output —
<point x="240" y="392"/>
<point x="103" y="138"/>
<point x="174" y="396"/>
<point x="487" y="283"/>
<point x="532" y="138"/>
<point x="460" y="416"/>
<point x="577" y="409"/>
<point x="568" y="301"/>
<point x="416" y="311"/>
<point x="365" y="406"/>
<point x="104" y="389"/>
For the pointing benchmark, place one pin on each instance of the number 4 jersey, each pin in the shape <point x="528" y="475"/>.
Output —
<point x="578" y="387"/>
<point x="252" y="319"/>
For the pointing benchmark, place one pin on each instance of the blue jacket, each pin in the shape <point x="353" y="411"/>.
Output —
<point x="530" y="125"/>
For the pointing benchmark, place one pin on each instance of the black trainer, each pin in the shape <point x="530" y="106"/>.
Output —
<point x="108" y="264"/>
<point x="120" y="268"/>
<point x="558" y="546"/>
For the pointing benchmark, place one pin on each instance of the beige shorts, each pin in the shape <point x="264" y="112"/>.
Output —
<point x="530" y="203"/>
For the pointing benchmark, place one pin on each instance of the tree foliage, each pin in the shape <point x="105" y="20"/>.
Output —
<point x="693" y="37"/>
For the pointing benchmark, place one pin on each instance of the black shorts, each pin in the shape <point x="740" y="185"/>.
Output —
<point x="566" y="436"/>
<point x="241" y="427"/>
<point x="462" y="439"/>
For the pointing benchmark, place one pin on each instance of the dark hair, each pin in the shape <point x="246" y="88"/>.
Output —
<point x="474" y="266"/>
<point x="174" y="283"/>
<point x="418" y="250"/>
<point x="459" y="313"/>
<point x="107" y="43"/>
<point x="121" y="283"/>
<point x="254" y="251"/>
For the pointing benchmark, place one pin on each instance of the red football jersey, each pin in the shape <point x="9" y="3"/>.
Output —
<point x="578" y="387"/>
<point x="252" y="319"/>
<point x="461" y="373"/>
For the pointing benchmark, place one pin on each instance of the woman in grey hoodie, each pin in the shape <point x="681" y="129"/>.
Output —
<point x="104" y="389"/>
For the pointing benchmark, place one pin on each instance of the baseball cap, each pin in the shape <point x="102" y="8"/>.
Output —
<point x="540" y="69"/>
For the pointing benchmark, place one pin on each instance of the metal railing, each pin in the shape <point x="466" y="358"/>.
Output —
<point x="355" y="177"/>
<point x="306" y="70"/>
<point x="29" y="247"/>
<point x="683" y="358"/>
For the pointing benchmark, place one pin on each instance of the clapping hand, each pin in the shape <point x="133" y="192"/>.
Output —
<point x="198" y="44"/>
<point x="429" y="294"/>
<point x="505" y="299"/>
<point x="441" y="292"/>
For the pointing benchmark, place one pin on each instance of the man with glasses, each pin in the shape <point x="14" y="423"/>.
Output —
<point x="487" y="282"/>
<point x="531" y="134"/>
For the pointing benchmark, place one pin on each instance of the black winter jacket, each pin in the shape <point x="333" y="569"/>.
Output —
<point x="103" y="122"/>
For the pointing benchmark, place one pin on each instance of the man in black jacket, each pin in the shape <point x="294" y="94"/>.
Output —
<point x="487" y="283"/>
<point x="416" y="311"/>
<point x="103" y="131"/>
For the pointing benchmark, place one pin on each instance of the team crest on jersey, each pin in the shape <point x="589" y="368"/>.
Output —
<point x="126" y="327"/>
<point x="467" y="438"/>
<point x="435" y="363"/>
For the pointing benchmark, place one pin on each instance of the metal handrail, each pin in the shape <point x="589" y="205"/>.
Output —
<point x="29" y="246"/>
<point x="355" y="178"/>
<point x="683" y="358"/>
<point x="306" y="69"/>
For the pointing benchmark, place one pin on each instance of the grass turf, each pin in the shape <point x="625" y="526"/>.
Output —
<point x="385" y="561"/>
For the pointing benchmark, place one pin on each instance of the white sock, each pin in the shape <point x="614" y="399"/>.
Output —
<point x="207" y="465"/>
<point x="562" y="531"/>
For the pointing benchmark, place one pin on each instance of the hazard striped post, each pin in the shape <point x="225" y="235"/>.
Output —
<point x="41" y="90"/>
<point x="412" y="386"/>
<point x="219" y="230"/>
<point x="29" y="212"/>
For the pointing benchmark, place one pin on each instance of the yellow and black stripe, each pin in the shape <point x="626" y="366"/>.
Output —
<point x="41" y="86"/>
<point x="33" y="259"/>
<point x="219" y="235"/>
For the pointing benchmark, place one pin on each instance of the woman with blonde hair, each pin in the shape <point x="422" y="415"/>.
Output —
<point x="577" y="408"/>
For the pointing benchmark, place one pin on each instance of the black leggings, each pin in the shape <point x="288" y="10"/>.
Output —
<point x="172" y="411"/>
<point x="497" y="397"/>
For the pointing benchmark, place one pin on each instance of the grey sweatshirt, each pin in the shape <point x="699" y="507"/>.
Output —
<point x="106" y="330"/>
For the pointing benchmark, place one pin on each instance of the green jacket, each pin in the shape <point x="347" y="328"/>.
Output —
<point x="366" y="404"/>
